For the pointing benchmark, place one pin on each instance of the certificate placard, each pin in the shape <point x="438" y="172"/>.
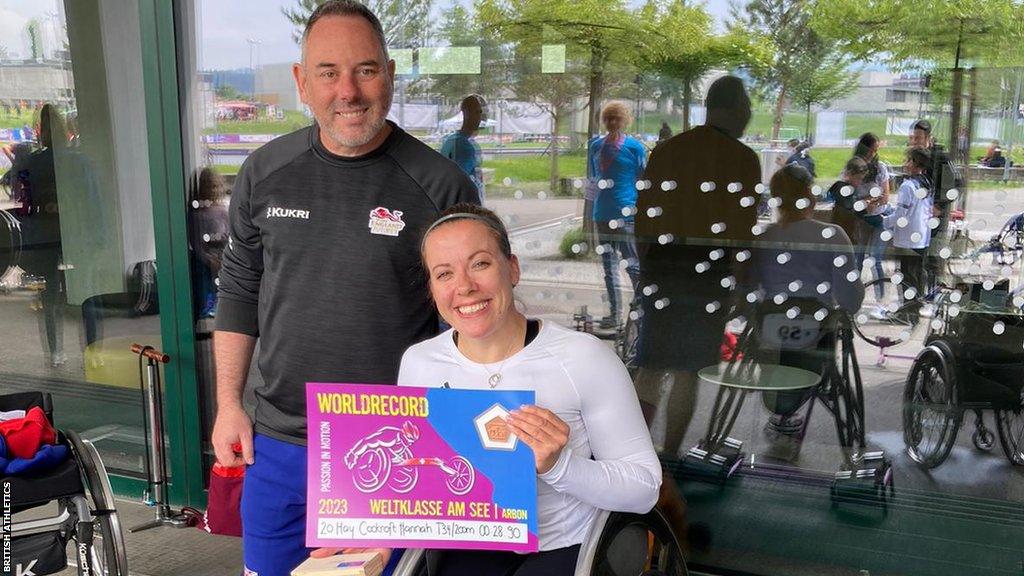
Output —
<point x="417" y="468"/>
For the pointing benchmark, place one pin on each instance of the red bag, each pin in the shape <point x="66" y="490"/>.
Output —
<point x="223" y="503"/>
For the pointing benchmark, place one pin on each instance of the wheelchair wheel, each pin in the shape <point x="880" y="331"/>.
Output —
<point x="931" y="412"/>
<point x="10" y="242"/>
<point x="109" y="555"/>
<point x="887" y="316"/>
<point x="1010" y="425"/>
<point x="627" y="344"/>
<point x="636" y="544"/>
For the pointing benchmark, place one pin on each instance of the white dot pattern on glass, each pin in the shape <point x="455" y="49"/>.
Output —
<point x="542" y="195"/>
<point x="933" y="223"/>
<point x="195" y="204"/>
<point x="716" y="254"/>
<point x="897" y="278"/>
<point x="707" y="186"/>
<point x="952" y="194"/>
<point x="718" y="227"/>
<point x="783" y="258"/>
<point x="668" y="185"/>
<point x="702" y="267"/>
<point x="921" y="193"/>
<point x="780" y="298"/>
<point x="902" y="222"/>
<point x="665" y="239"/>
<point x="822" y="288"/>
<point x="650" y="289"/>
<point x="821" y="314"/>
<point x="859" y="205"/>
<point x="915" y="237"/>
<point x="661" y="303"/>
<point x="628" y="211"/>
<point x="743" y="255"/>
<point x="734" y="187"/>
<point x="955" y="296"/>
<point x="846" y="191"/>
<point x="206" y="237"/>
<point x="757" y="229"/>
<point x="998" y="328"/>
<point x="747" y="201"/>
<point x="728" y="282"/>
<point x="816" y="190"/>
<point x="506" y="181"/>
<point x="875" y="192"/>
<point x="792" y="312"/>
<point x="802" y="203"/>
<point x="828" y="232"/>
<point x="945" y="252"/>
<point x="615" y="224"/>
<point x="852" y="276"/>
<point x="795" y="285"/>
<point x="839" y="261"/>
<point x="885" y="235"/>
<point x="602" y="184"/>
<point x="712" y="307"/>
<point x="753" y="297"/>
<point x="654" y="211"/>
<point x="518" y="195"/>
<point x="577" y="183"/>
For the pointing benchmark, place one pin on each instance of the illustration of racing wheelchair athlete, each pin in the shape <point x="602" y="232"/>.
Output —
<point x="385" y="457"/>
<point x="797" y="352"/>
<point x="972" y="360"/>
<point x="85" y="507"/>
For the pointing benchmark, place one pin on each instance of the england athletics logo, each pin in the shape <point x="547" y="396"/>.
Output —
<point x="386" y="222"/>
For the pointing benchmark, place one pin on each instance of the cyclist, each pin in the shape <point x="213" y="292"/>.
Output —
<point x="389" y="437"/>
<point x="591" y="447"/>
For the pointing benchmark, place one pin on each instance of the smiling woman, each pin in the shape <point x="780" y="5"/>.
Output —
<point x="591" y="447"/>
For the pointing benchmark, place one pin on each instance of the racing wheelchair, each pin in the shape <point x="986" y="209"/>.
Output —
<point x="85" y="508"/>
<point x="618" y="544"/>
<point x="797" y="353"/>
<point x="971" y="361"/>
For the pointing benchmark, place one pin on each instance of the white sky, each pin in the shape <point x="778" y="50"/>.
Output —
<point x="224" y="29"/>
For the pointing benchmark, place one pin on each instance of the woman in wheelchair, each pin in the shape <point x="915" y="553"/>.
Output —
<point x="592" y="449"/>
<point x="801" y="267"/>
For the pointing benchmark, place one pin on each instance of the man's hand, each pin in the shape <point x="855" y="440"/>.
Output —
<point x="232" y="426"/>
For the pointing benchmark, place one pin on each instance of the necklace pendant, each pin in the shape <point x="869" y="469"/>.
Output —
<point x="494" y="380"/>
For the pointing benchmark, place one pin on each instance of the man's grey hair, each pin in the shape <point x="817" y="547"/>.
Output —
<point x="345" y="8"/>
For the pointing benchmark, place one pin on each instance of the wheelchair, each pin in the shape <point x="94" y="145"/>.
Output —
<point x="973" y="361"/>
<point x="85" y="508"/>
<point x="805" y="333"/>
<point x="618" y="544"/>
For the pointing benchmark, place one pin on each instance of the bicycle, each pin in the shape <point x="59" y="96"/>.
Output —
<point x="893" y="319"/>
<point x="1006" y="246"/>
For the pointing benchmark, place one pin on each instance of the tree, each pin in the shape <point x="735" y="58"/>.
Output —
<point x="405" y="22"/>
<point x="605" y="29"/>
<point x="685" y="47"/>
<point x="829" y="78"/>
<point x="782" y="26"/>
<point x="460" y="28"/>
<point x="229" y="92"/>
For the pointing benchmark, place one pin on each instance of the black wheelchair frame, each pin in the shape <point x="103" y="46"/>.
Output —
<point x="85" y="508"/>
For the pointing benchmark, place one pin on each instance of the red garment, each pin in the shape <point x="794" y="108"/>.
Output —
<point x="25" y="435"/>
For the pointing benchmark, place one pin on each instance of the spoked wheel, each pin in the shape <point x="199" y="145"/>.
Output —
<point x="1010" y="425"/>
<point x="10" y="242"/>
<point x="931" y="413"/>
<point x="889" y="314"/>
<point x="109" y="553"/>
<point x="638" y="544"/>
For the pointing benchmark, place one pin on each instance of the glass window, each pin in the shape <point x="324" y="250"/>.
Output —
<point x="798" y="223"/>
<point x="77" y="265"/>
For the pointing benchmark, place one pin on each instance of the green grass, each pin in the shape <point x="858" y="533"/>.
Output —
<point x="292" y="121"/>
<point x="13" y="120"/>
<point x="536" y="168"/>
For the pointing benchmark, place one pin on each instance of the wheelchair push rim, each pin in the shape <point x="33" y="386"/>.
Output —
<point x="110" y="557"/>
<point x="931" y="412"/>
<point x="1010" y="426"/>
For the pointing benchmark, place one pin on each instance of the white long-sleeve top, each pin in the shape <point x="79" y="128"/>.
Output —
<point x="909" y="222"/>
<point x="609" y="462"/>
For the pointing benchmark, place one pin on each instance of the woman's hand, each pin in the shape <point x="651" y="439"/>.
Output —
<point x="544" y="432"/>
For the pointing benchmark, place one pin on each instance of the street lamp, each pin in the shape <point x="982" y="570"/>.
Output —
<point x="254" y="51"/>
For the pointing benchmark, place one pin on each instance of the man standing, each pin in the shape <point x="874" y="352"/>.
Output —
<point x="322" y="265"/>
<point x="461" y="147"/>
<point x="943" y="177"/>
<point x="696" y="208"/>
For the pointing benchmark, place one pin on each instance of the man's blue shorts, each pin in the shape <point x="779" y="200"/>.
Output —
<point x="274" y="510"/>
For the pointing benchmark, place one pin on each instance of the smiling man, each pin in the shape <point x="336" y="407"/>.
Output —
<point x="322" y="266"/>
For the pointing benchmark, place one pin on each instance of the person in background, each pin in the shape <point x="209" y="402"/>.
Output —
<point x="665" y="133"/>
<point x="208" y="223"/>
<point x="461" y="147"/>
<point x="909" y="222"/>
<point x="615" y="162"/>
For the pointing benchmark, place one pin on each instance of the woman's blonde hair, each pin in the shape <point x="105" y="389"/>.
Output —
<point x="617" y="109"/>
